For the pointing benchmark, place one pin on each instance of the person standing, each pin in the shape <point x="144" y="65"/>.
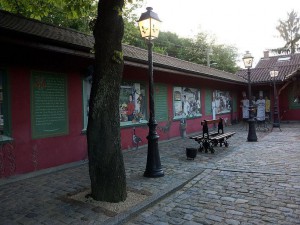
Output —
<point x="261" y="107"/>
<point x="130" y="108"/>
<point x="214" y="107"/>
<point x="186" y="106"/>
<point x="245" y="107"/>
<point x="268" y="108"/>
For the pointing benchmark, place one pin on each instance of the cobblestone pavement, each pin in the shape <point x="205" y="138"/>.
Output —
<point x="256" y="183"/>
<point x="246" y="183"/>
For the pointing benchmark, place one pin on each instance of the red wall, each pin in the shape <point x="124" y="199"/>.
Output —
<point x="193" y="125"/>
<point x="287" y="114"/>
<point x="35" y="154"/>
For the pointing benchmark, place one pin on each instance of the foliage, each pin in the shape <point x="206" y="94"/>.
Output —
<point x="132" y="35"/>
<point x="289" y="32"/>
<point x="201" y="49"/>
<point x="190" y="49"/>
<point x="224" y="58"/>
<point x="81" y="15"/>
<point x="197" y="50"/>
<point x="75" y="14"/>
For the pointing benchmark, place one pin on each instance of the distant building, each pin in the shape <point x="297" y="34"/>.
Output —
<point x="287" y="83"/>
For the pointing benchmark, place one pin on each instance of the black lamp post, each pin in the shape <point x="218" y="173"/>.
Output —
<point x="149" y="25"/>
<point x="276" y="121"/>
<point x="248" y="60"/>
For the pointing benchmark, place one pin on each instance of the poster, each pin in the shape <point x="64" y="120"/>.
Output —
<point x="186" y="102"/>
<point x="221" y="102"/>
<point x="132" y="104"/>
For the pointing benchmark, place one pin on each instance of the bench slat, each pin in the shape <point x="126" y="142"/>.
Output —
<point x="221" y="136"/>
<point x="200" y="136"/>
<point x="208" y="139"/>
<point x="210" y="121"/>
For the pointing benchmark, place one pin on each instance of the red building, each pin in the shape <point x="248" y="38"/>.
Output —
<point x="45" y="78"/>
<point x="287" y="83"/>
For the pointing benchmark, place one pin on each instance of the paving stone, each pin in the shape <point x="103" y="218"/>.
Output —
<point x="241" y="201"/>
<point x="246" y="183"/>
<point x="232" y="222"/>
<point x="191" y="223"/>
<point x="229" y="199"/>
<point x="214" y="218"/>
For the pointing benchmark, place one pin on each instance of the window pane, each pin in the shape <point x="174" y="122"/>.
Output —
<point x="87" y="85"/>
<point x="5" y="122"/>
<point x="1" y="103"/>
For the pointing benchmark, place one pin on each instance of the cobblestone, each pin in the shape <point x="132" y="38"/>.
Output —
<point x="246" y="183"/>
<point x="257" y="183"/>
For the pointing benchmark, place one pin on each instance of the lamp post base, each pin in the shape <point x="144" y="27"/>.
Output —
<point x="276" y="125"/>
<point x="251" y="131"/>
<point x="153" y="167"/>
<point x="154" y="173"/>
<point x="276" y="121"/>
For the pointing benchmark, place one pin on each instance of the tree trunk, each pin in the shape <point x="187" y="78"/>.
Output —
<point x="106" y="165"/>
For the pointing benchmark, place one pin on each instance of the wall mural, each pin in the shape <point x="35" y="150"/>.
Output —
<point x="132" y="104"/>
<point x="221" y="102"/>
<point x="186" y="102"/>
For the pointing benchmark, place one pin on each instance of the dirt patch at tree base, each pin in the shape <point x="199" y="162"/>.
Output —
<point x="134" y="197"/>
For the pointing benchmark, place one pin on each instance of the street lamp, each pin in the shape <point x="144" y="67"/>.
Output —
<point x="149" y="25"/>
<point x="248" y="60"/>
<point x="276" y="121"/>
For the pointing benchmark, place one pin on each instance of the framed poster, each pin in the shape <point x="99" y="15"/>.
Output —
<point x="221" y="102"/>
<point x="132" y="104"/>
<point x="186" y="102"/>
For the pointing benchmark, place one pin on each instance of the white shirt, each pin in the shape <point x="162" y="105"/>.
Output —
<point x="245" y="108"/>
<point x="261" y="109"/>
<point x="214" y="107"/>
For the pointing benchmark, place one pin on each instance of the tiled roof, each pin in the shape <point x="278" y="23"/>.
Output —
<point x="160" y="60"/>
<point x="64" y="36"/>
<point x="279" y="61"/>
<point x="22" y="25"/>
<point x="286" y="65"/>
<point x="294" y="74"/>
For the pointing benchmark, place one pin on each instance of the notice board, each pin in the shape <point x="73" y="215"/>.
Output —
<point x="208" y="101"/>
<point x="49" y="105"/>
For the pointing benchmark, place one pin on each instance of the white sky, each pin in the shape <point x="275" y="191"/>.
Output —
<point x="248" y="25"/>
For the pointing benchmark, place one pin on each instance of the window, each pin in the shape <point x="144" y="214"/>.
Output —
<point x="294" y="95"/>
<point x="186" y="102"/>
<point x="87" y="85"/>
<point x="132" y="104"/>
<point x="4" y="105"/>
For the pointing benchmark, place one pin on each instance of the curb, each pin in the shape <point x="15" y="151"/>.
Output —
<point x="124" y="217"/>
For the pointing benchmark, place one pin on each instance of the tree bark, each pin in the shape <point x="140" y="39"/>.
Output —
<point x="106" y="165"/>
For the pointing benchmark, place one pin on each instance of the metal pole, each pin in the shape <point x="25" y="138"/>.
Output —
<point x="251" y="131"/>
<point x="208" y="60"/>
<point x="153" y="167"/>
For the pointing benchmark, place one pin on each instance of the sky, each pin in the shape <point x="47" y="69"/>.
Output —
<point x="248" y="25"/>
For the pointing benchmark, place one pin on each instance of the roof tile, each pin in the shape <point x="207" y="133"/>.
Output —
<point x="286" y="64"/>
<point x="20" y="24"/>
